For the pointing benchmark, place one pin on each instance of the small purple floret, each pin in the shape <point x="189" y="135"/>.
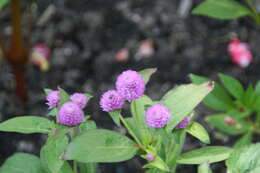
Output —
<point x="149" y="157"/>
<point x="111" y="100"/>
<point x="80" y="99"/>
<point x="70" y="114"/>
<point x="53" y="99"/>
<point x="183" y="123"/>
<point x="157" y="116"/>
<point x="130" y="85"/>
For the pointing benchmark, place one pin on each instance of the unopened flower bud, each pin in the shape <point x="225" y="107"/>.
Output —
<point x="149" y="157"/>
<point x="230" y="121"/>
<point x="53" y="99"/>
<point x="183" y="123"/>
<point x="80" y="99"/>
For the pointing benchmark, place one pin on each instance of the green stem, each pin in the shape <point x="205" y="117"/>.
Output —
<point x="75" y="163"/>
<point x="130" y="130"/>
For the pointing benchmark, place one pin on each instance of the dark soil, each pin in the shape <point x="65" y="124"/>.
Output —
<point x="85" y="35"/>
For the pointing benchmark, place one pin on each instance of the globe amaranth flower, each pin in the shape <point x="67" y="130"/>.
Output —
<point x="111" y="100"/>
<point x="53" y="99"/>
<point x="157" y="116"/>
<point x="130" y="85"/>
<point x="149" y="157"/>
<point x="183" y="123"/>
<point x="80" y="99"/>
<point x="70" y="114"/>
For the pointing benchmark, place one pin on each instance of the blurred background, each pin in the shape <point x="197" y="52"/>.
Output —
<point x="92" y="41"/>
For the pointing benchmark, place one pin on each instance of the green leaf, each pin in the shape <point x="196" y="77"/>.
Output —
<point x="249" y="98"/>
<point x="87" y="125"/>
<point x="100" y="146"/>
<point x="183" y="99"/>
<point x="204" y="168"/>
<point x="256" y="170"/>
<point x="64" y="97"/>
<point x="199" y="132"/>
<point x="53" y="112"/>
<point x="157" y="163"/>
<point x="218" y="99"/>
<point x="66" y="168"/>
<point x="115" y="115"/>
<point x="138" y="108"/>
<point x="210" y="154"/>
<point x="221" y="9"/>
<point x="257" y="88"/>
<point x="27" y="125"/>
<point x="147" y="73"/>
<point x="47" y="91"/>
<point x="244" y="140"/>
<point x="22" y="163"/>
<point x="245" y="159"/>
<point x="236" y="128"/>
<point x="51" y="153"/>
<point x="3" y="3"/>
<point x="89" y="96"/>
<point x="233" y="86"/>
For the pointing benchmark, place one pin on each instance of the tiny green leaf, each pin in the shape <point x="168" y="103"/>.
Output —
<point x="64" y="97"/>
<point x="147" y="73"/>
<point x="244" y="140"/>
<point x="22" y="163"/>
<point x="221" y="9"/>
<point x="115" y="115"/>
<point x="53" y="112"/>
<point x="257" y="88"/>
<point x="199" y="132"/>
<point x="47" y="91"/>
<point x="100" y="146"/>
<point x="27" y="125"/>
<point x="204" y="168"/>
<point x="210" y="154"/>
<point x="233" y="86"/>
<point x="157" y="163"/>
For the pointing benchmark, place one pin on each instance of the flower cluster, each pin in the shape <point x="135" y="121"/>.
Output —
<point x="70" y="113"/>
<point x="129" y="86"/>
<point x="240" y="53"/>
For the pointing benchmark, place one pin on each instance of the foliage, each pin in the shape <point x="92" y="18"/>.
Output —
<point x="86" y="145"/>
<point x="239" y="107"/>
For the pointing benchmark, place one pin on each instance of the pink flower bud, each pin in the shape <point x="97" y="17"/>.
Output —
<point x="240" y="53"/>
<point x="228" y="120"/>
<point x="39" y="56"/>
<point x="149" y="157"/>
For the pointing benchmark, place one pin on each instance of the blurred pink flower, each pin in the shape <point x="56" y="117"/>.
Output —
<point x="39" y="56"/>
<point x="240" y="53"/>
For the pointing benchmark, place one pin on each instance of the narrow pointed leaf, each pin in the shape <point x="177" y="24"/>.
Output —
<point x="244" y="140"/>
<point x="115" y="115"/>
<point x="210" y="154"/>
<point x="147" y="73"/>
<point x="199" y="132"/>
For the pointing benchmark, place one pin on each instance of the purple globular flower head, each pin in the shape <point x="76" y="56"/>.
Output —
<point x="70" y="114"/>
<point x="130" y="85"/>
<point x="80" y="99"/>
<point x="53" y="99"/>
<point x="111" y="100"/>
<point x="150" y="157"/>
<point x="183" y="123"/>
<point x="157" y="116"/>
